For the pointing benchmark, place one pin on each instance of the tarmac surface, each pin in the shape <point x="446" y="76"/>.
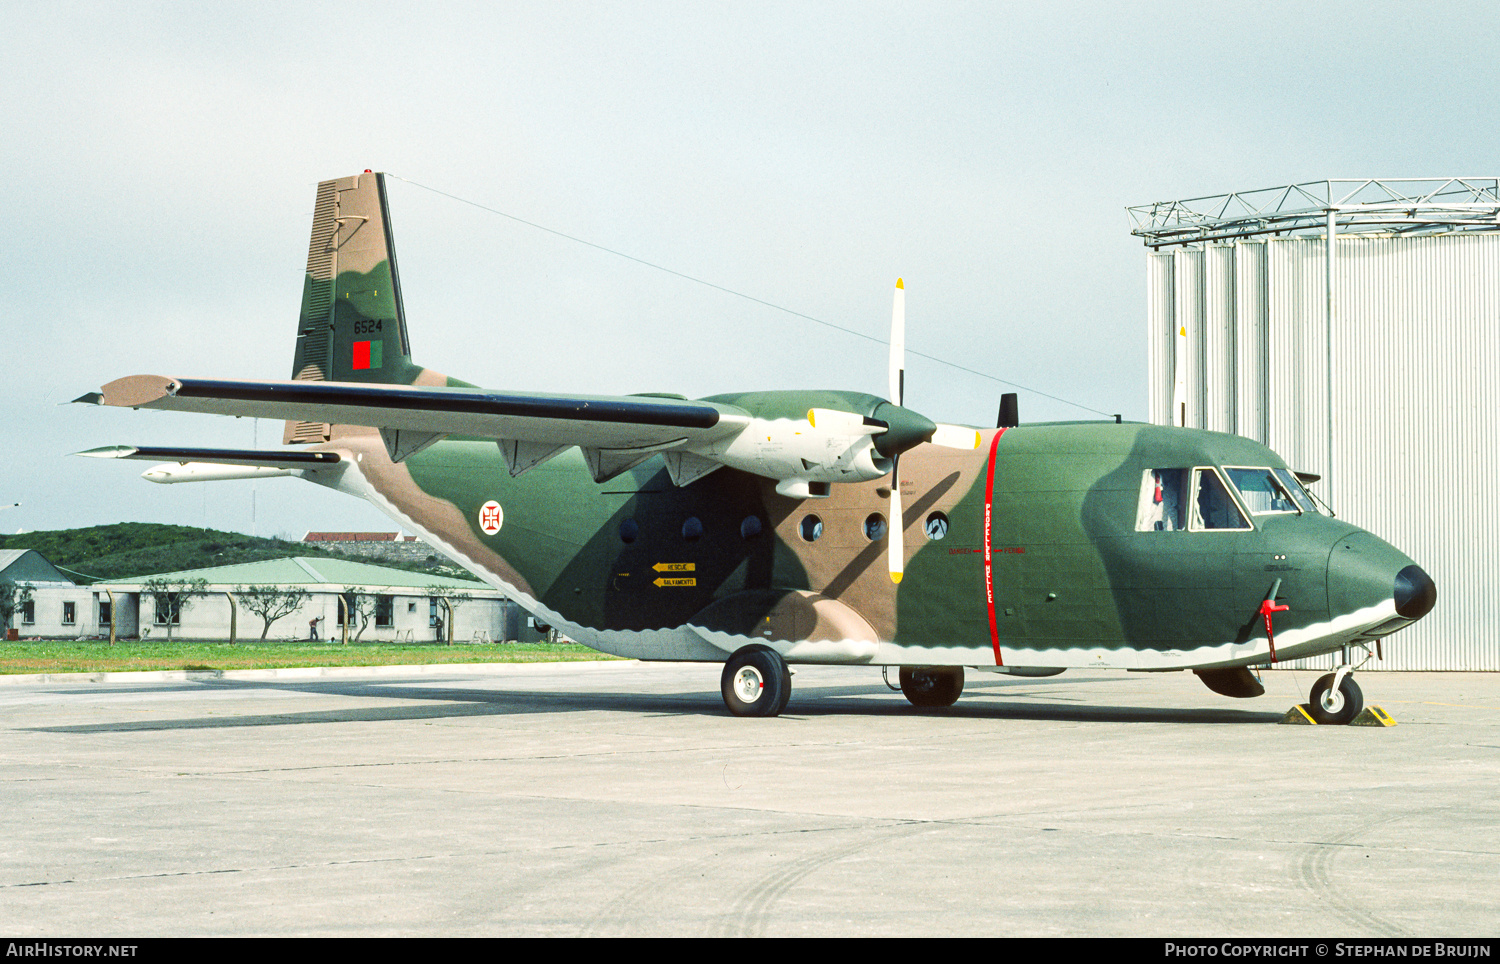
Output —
<point x="621" y="798"/>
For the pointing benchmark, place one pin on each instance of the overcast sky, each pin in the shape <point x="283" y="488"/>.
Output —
<point x="160" y="162"/>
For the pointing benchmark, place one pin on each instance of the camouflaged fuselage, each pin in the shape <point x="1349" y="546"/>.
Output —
<point x="1060" y="577"/>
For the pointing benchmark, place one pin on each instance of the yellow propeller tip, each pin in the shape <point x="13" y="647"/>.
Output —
<point x="899" y="284"/>
<point x="895" y="577"/>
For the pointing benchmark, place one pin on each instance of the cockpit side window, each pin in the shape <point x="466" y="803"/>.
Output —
<point x="1163" y="502"/>
<point x="1263" y="493"/>
<point x="1214" y="508"/>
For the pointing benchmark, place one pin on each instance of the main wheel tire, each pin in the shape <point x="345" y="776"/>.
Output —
<point x="932" y="685"/>
<point x="1335" y="707"/>
<point x="756" y="682"/>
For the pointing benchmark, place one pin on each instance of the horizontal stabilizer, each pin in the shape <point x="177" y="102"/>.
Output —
<point x="215" y="465"/>
<point x="270" y="459"/>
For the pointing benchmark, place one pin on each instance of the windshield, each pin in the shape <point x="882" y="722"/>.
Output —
<point x="1263" y="492"/>
<point x="1299" y="491"/>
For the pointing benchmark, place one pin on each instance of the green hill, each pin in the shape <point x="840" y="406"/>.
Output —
<point x="145" y="548"/>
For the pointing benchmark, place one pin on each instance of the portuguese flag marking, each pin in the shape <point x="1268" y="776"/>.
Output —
<point x="367" y="354"/>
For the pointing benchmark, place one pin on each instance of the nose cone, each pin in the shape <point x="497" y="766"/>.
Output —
<point x="1416" y="593"/>
<point x="1365" y="572"/>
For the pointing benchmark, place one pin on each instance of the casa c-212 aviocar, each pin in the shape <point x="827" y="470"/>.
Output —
<point x="763" y="529"/>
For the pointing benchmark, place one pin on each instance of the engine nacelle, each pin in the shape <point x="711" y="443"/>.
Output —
<point x="823" y="449"/>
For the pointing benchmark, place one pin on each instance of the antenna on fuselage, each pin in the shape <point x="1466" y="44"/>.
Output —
<point x="1009" y="413"/>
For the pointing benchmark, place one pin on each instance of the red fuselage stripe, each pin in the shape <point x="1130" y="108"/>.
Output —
<point x="989" y="545"/>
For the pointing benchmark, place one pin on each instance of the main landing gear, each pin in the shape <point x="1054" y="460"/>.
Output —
<point x="932" y="685"/>
<point x="756" y="682"/>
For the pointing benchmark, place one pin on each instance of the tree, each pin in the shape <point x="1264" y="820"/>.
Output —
<point x="452" y="599"/>
<point x="171" y="597"/>
<point x="12" y="597"/>
<point x="360" y="607"/>
<point x="271" y="603"/>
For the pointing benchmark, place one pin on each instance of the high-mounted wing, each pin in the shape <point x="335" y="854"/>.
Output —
<point x="776" y="435"/>
<point x="615" y="432"/>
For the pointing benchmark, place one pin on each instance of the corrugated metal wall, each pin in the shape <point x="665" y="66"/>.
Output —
<point x="1416" y="397"/>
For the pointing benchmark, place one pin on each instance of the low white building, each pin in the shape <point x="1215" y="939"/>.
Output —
<point x="57" y="607"/>
<point x="381" y="604"/>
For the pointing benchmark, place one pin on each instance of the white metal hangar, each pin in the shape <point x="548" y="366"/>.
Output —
<point x="1354" y="327"/>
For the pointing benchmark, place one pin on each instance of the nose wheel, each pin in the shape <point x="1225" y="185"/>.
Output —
<point x="1335" y="701"/>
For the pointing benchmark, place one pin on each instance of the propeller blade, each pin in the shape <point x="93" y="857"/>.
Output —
<point x="955" y="437"/>
<point x="834" y="420"/>
<point x="895" y="547"/>
<point x="898" y="344"/>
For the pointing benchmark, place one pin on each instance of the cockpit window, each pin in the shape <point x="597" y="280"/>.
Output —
<point x="1262" y="491"/>
<point x="1174" y="499"/>
<point x="1163" y="501"/>
<point x="1215" y="508"/>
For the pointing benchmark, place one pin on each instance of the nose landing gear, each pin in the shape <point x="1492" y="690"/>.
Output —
<point x="1335" y="702"/>
<point x="1335" y="698"/>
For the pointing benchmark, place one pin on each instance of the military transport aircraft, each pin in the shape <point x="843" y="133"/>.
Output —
<point x="773" y="528"/>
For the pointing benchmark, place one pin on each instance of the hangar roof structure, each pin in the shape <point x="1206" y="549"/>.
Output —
<point x="1396" y="206"/>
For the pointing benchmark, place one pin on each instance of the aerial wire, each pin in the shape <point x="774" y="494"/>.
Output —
<point x="740" y="294"/>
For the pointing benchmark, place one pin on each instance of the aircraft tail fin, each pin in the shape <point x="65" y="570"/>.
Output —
<point x="352" y="327"/>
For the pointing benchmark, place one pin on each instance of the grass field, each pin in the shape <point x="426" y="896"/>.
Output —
<point x="72" y="656"/>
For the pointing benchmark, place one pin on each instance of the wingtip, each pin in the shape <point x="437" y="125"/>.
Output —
<point x="109" y="452"/>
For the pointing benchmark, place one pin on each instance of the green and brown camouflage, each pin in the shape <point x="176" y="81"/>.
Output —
<point x="1047" y="547"/>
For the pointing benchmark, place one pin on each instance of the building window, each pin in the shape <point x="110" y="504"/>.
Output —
<point x="70" y="613"/>
<point x="385" y="611"/>
<point x="104" y="612"/>
<point x="28" y="612"/>
<point x="163" y="607"/>
<point x="432" y="611"/>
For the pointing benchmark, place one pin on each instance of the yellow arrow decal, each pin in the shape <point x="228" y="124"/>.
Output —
<point x="677" y="582"/>
<point x="675" y="567"/>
